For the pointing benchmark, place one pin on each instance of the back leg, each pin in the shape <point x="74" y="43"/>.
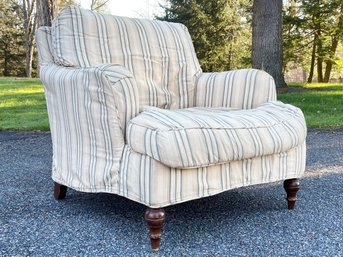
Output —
<point x="60" y="191"/>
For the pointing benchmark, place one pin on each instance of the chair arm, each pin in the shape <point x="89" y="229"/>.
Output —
<point x="91" y="93"/>
<point x="243" y="89"/>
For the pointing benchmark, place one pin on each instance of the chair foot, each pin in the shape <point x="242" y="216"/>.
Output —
<point x="291" y="186"/>
<point x="156" y="220"/>
<point x="60" y="191"/>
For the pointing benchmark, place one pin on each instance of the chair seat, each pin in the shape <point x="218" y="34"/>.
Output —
<point x="197" y="137"/>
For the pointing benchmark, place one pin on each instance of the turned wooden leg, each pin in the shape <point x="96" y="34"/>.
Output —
<point x="291" y="186"/>
<point x="156" y="220"/>
<point x="60" y="191"/>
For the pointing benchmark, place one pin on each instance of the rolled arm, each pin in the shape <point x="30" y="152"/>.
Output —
<point x="88" y="110"/>
<point x="243" y="89"/>
<point x="105" y="89"/>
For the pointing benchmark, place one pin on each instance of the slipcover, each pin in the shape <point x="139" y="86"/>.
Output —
<point x="199" y="137"/>
<point x="131" y="113"/>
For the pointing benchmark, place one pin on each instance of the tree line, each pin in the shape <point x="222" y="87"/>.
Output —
<point x="227" y="34"/>
<point x="231" y="34"/>
<point x="18" y="22"/>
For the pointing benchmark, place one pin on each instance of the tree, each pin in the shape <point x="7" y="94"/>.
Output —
<point x="337" y="34"/>
<point x="267" y="52"/>
<point x="325" y="21"/>
<point x="46" y="12"/>
<point x="98" y="5"/>
<point x="28" y="7"/>
<point x="295" y="42"/>
<point x="12" y="52"/>
<point x="64" y="3"/>
<point x="215" y="27"/>
<point x="317" y="28"/>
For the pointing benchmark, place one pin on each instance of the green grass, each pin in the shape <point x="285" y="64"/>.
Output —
<point x="322" y="104"/>
<point x="22" y="105"/>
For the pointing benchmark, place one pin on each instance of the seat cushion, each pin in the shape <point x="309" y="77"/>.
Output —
<point x="197" y="137"/>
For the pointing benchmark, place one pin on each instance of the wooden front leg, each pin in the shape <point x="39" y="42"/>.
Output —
<point x="156" y="220"/>
<point x="60" y="191"/>
<point x="291" y="186"/>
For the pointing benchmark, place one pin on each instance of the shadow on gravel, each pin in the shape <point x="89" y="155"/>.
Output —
<point x="252" y="221"/>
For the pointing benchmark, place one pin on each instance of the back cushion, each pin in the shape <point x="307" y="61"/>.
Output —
<point x="160" y="54"/>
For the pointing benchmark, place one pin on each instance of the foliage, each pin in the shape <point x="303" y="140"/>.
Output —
<point x="312" y="32"/>
<point x="65" y="3"/>
<point x="99" y="5"/>
<point x="220" y="34"/>
<point x="22" y="105"/>
<point x="295" y="42"/>
<point x="12" y="51"/>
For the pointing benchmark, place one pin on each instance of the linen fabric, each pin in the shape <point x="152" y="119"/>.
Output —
<point x="149" y="182"/>
<point x="108" y="80"/>
<point x="198" y="137"/>
<point x="160" y="54"/>
<point x="243" y="89"/>
<point x="88" y="109"/>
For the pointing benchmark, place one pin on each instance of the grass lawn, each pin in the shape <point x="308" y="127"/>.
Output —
<point x="322" y="104"/>
<point x="22" y="104"/>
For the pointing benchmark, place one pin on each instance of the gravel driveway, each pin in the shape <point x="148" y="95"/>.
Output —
<point x="251" y="221"/>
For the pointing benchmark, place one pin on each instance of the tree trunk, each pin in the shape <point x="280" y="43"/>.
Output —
<point x="320" y="55"/>
<point x="314" y="50"/>
<point x="334" y="45"/>
<point x="29" y="57"/>
<point x="267" y="53"/>
<point x="229" y="57"/>
<point x="46" y="12"/>
<point x="320" y="69"/>
<point x="6" y="71"/>
<point x="30" y="28"/>
<point x="313" y="57"/>
<point x="329" y="62"/>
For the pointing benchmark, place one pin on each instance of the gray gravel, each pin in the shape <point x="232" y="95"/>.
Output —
<point x="251" y="221"/>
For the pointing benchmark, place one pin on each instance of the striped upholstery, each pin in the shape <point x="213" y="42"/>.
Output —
<point x="147" y="181"/>
<point x="198" y="137"/>
<point x="124" y="96"/>
<point x="88" y="109"/>
<point x="44" y="45"/>
<point x="159" y="54"/>
<point x="244" y="89"/>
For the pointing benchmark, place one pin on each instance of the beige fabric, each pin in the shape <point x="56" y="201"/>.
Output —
<point x="88" y="109"/>
<point x="147" y="181"/>
<point x="198" y="137"/>
<point x="44" y="45"/>
<point x="100" y="70"/>
<point x="159" y="54"/>
<point x="243" y="89"/>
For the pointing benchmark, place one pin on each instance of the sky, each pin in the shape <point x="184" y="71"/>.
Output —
<point x="133" y="8"/>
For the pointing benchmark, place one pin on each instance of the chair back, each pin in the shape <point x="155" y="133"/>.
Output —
<point x="159" y="54"/>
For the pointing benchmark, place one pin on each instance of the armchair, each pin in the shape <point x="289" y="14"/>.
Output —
<point x="131" y="113"/>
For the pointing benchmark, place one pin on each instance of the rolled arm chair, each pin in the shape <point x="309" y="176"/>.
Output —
<point x="131" y="113"/>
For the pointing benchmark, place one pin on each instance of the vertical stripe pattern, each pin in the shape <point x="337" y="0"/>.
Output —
<point x="198" y="137"/>
<point x="243" y="89"/>
<point x="159" y="54"/>
<point x="88" y="109"/>
<point x="99" y="71"/>
<point x="166" y="186"/>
